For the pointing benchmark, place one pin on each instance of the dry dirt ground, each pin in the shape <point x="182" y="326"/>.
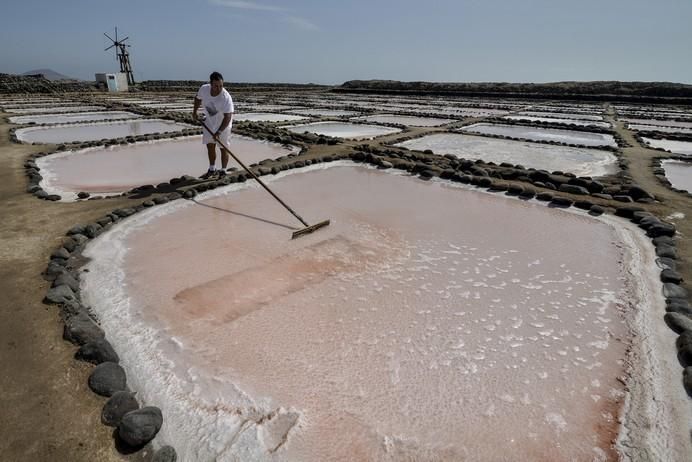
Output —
<point x="48" y="412"/>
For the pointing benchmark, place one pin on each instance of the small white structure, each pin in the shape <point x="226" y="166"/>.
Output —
<point x="113" y="82"/>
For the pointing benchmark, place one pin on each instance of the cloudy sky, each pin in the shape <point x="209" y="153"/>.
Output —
<point x="330" y="41"/>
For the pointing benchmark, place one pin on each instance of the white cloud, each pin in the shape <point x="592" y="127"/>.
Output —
<point x="246" y="5"/>
<point x="295" y="21"/>
<point x="301" y="23"/>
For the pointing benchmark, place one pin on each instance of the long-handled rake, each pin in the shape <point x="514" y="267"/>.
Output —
<point x="308" y="228"/>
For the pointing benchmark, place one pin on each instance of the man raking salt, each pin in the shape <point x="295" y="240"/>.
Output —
<point x="218" y="105"/>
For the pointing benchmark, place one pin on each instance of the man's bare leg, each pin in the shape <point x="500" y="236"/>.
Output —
<point x="211" y="153"/>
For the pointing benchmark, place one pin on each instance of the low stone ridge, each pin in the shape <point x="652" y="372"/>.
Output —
<point x="119" y="404"/>
<point x="137" y="428"/>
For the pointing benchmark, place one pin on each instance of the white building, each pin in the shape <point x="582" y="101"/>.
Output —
<point x="113" y="82"/>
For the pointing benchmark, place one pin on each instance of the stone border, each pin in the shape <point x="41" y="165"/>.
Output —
<point x="612" y="187"/>
<point x="136" y="427"/>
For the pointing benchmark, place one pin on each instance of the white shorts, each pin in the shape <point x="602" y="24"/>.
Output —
<point x="224" y="136"/>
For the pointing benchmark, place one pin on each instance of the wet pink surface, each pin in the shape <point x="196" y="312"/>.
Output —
<point x="120" y="168"/>
<point x="426" y="323"/>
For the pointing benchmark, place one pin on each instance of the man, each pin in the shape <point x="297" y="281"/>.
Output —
<point x="218" y="106"/>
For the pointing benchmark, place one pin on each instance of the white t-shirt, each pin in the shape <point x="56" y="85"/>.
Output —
<point x="215" y="107"/>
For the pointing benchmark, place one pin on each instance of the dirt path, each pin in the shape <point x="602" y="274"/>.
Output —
<point x="48" y="412"/>
<point x="669" y="201"/>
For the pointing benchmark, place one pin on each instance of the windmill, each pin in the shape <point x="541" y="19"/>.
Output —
<point x="122" y="55"/>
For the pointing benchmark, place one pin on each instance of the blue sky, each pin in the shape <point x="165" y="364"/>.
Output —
<point x="331" y="41"/>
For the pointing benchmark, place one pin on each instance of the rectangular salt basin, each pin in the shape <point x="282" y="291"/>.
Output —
<point x="679" y="173"/>
<point x="389" y="335"/>
<point x="660" y="123"/>
<point x="97" y="131"/>
<point x="562" y="115"/>
<point x="543" y="134"/>
<point x="580" y="161"/>
<point x="324" y="112"/>
<point x="676" y="147"/>
<point x="659" y="128"/>
<point x="555" y="120"/>
<point x="343" y="130"/>
<point x="55" y="109"/>
<point x="115" y="169"/>
<point x="405" y="120"/>
<point x="267" y="117"/>
<point x="73" y="117"/>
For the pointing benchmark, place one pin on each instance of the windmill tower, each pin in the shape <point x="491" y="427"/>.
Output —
<point x="122" y="55"/>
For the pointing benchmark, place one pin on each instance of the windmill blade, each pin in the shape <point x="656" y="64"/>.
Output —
<point x="116" y="33"/>
<point x="124" y="39"/>
<point x="108" y="37"/>
<point x="109" y="47"/>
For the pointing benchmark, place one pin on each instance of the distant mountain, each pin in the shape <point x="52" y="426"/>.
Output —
<point x="596" y="90"/>
<point x="49" y="74"/>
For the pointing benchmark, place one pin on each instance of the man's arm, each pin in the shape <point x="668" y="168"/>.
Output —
<point x="195" y="107"/>
<point x="227" y="119"/>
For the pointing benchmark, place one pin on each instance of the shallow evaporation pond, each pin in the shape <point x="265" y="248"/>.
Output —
<point x="660" y="123"/>
<point x="679" y="173"/>
<point x="73" y="117"/>
<point x="676" y="147"/>
<point x="659" y="128"/>
<point x="267" y="117"/>
<point x="116" y="169"/>
<point x="427" y="322"/>
<point x="543" y="134"/>
<point x="563" y="121"/>
<point x="580" y="161"/>
<point x="562" y="115"/>
<point x="97" y="131"/>
<point x="343" y="130"/>
<point x="405" y="120"/>
<point x="325" y="112"/>
<point x="54" y="109"/>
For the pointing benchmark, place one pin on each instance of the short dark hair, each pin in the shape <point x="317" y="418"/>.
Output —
<point x="215" y="76"/>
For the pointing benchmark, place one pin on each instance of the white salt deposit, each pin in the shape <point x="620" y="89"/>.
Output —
<point x="543" y="134"/>
<point x="580" y="161"/>
<point x="428" y="322"/>
<point x="325" y="112"/>
<point x="659" y="128"/>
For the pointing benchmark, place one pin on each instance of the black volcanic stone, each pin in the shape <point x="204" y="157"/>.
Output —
<point x="671" y="290"/>
<point x="117" y="406"/>
<point x="107" y="378"/>
<point x="666" y="251"/>
<point x="678" y="322"/>
<point x="138" y="427"/>
<point x="561" y="202"/>
<point x="668" y="275"/>
<point x="80" y="329"/>
<point x="68" y="280"/>
<point x="60" y="294"/>
<point x="165" y="454"/>
<point x="596" y="210"/>
<point x="97" y="352"/>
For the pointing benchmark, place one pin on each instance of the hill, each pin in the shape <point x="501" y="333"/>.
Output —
<point x="49" y="74"/>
